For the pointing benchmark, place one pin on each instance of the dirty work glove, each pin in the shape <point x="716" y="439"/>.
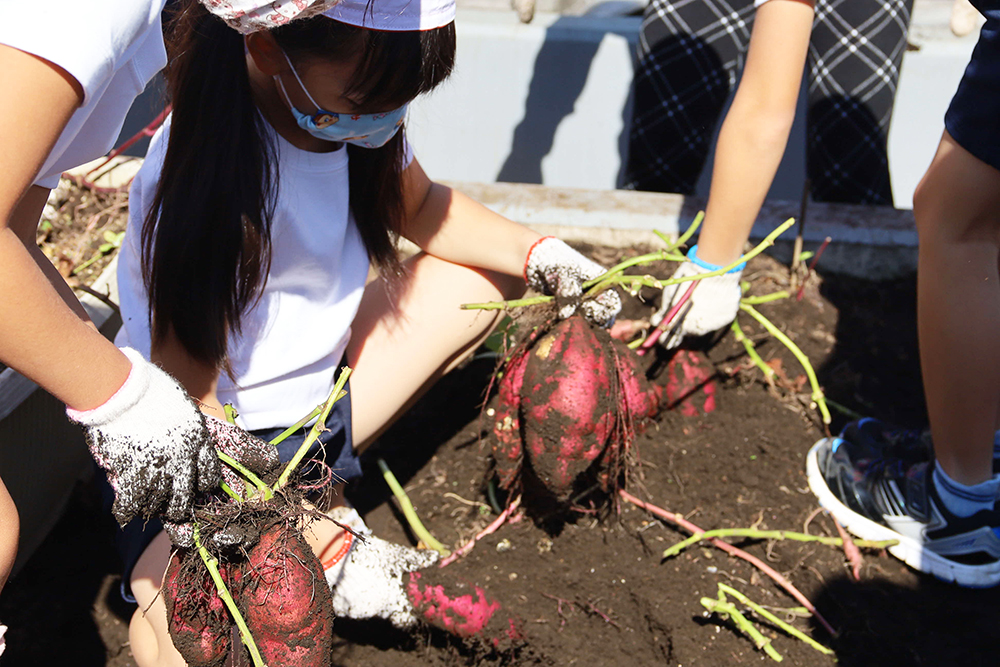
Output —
<point x="259" y="457"/>
<point x="153" y="442"/>
<point x="367" y="578"/>
<point x="714" y="302"/>
<point x="555" y="269"/>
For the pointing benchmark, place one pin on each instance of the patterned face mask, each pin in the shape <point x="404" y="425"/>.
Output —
<point x="370" y="130"/>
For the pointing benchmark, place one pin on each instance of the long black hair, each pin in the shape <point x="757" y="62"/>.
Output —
<point x="206" y="245"/>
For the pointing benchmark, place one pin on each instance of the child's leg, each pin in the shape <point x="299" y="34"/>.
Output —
<point x="399" y="348"/>
<point x="957" y="209"/>
<point x="147" y="632"/>
<point x="9" y="528"/>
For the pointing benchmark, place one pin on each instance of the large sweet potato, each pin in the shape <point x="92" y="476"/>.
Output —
<point x="286" y="600"/>
<point x="567" y="403"/>
<point x="197" y="619"/>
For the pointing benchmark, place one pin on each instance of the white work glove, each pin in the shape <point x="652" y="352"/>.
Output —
<point x="259" y="457"/>
<point x="154" y="444"/>
<point x="367" y="581"/>
<point x="555" y="269"/>
<point x="3" y="642"/>
<point x="714" y="302"/>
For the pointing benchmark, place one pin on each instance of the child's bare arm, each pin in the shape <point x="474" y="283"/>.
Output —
<point x="40" y="335"/>
<point x="755" y="132"/>
<point x="449" y="225"/>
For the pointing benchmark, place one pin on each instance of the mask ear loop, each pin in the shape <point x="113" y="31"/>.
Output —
<point x="305" y="90"/>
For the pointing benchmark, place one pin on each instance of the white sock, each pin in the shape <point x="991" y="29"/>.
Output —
<point x="964" y="500"/>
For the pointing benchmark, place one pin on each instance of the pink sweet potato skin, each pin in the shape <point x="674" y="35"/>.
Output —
<point x="197" y="618"/>
<point x="642" y="398"/>
<point x="567" y="403"/>
<point x="286" y="601"/>
<point x="508" y="450"/>
<point x="690" y="384"/>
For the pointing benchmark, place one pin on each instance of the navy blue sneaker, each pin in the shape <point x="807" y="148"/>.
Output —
<point x="874" y="435"/>
<point x="879" y="496"/>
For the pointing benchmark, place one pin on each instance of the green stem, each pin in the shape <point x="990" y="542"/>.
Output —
<point x="602" y="282"/>
<point x="851" y="414"/>
<point x="229" y="492"/>
<point x="335" y="395"/>
<point x="759" y="248"/>
<point x="416" y="526"/>
<point x="690" y="230"/>
<point x="297" y="425"/>
<point x="728" y="610"/>
<point x="768" y="616"/>
<point x="753" y="533"/>
<point x="248" y="474"/>
<point x="817" y="394"/>
<point x="212" y="564"/>
<point x="752" y="352"/>
<point x="765" y="298"/>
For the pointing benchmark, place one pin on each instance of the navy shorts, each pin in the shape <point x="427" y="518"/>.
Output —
<point x="334" y="447"/>
<point x="973" y="117"/>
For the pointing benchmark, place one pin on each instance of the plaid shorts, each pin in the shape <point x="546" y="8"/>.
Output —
<point x="690" y="53"/>
<point x="973" y="117"/>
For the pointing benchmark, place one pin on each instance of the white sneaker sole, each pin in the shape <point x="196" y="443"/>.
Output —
<point x="910" y="551"/>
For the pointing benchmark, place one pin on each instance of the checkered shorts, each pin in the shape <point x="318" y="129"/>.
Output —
<point x="690" y="52"/>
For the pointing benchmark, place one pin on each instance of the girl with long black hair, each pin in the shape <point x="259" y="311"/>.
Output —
<point x="283" y="174"/>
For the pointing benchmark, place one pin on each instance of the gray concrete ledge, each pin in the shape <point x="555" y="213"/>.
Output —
<point x="867" y="241"/>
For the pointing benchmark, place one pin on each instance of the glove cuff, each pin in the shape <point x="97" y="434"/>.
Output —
<point x="127" y="396"/>
<point x="531" y="250"/>
<point x="692" y="256"/>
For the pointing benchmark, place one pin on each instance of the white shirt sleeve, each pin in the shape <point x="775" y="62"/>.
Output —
<point x="87" y="38"/>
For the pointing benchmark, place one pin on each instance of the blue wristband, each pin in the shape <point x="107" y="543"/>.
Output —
<point x="693" y="258"/>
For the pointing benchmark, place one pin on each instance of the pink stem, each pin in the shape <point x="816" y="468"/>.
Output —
<point x="812" y="265"/>
<point x="492" y="528"/>
<point x="678" y="520"/>
<point x="851" y="551"/>
<point x="668" y="319"/>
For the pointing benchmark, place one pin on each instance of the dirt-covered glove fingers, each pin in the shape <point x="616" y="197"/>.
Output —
<point x="150" y="432"/>
<point x="260" y="457"/>
<point x="368" y="581"/>
<point x="714" y="302"/>
<point x="180" y="534"/>
<point x="603" y="309"/>
<point x="553" y="268"/>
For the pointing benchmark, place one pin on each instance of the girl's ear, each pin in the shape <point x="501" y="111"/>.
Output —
<point x="265" y="53"/>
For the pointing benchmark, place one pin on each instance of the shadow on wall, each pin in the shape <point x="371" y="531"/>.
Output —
<point x="560" y="74"/>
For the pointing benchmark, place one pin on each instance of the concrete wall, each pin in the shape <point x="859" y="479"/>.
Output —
<point x="548" y="103"/>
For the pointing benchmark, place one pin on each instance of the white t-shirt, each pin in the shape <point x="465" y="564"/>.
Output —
<point x="287" y="358"/>
<point x="111" y="47"/>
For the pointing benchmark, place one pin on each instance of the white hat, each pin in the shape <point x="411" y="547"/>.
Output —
<point x="394" y="15"/>
<point x="247" y="16"/>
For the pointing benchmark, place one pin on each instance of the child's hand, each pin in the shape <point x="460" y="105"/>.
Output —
<point x="368" y="581"/>
<point x="553" y="268"/>
<point x="714" y="302"/>
<point x="153" y="441"/>
<point x="259" y="457"/>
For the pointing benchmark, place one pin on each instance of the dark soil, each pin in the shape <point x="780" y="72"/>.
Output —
<point x="595" y="591"/>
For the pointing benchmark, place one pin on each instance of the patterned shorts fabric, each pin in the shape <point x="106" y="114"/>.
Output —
<point x="973" y="117"/>
<point x="690" y="53"/>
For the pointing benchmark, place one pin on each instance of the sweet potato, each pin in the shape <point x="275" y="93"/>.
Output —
<point x="197" y="618"/>
<point x="567" y="403"/>
<point x="690" y="384"/>
<point x="508" y="450"/>
<point x="286" y="600"/>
